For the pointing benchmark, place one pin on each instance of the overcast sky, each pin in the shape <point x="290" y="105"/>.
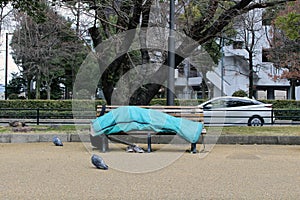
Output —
<point x="11" y="64"/>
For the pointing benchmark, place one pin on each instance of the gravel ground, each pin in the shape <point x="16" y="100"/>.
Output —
<point x="44" y="171"/>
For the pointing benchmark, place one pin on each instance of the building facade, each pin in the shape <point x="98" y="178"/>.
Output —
<point x="232" y="71"/>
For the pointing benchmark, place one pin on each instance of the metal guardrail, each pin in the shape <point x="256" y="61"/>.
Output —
<point x="276" y="116"/>
<point x="44" y="116"/>
<point x="65" y="116"/>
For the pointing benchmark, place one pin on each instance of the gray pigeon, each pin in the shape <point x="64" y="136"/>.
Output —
<point x="98" y="162"/>
<point x="57" y="141"/>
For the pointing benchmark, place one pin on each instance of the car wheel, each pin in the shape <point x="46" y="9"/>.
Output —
<point x="255" y="121"/>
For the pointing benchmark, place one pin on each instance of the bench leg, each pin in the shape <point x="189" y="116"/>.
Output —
<point x="104" y="143"/>
<point x="100" y="142"/>
<point x="193" y="148"/>
<point x="203" y="142"/>
<point x="149" y="142"/>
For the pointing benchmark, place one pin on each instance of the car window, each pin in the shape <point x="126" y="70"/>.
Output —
<point x="241" y="102"/>
<point x="219" y="103"/>
<point x="234" y="103"/>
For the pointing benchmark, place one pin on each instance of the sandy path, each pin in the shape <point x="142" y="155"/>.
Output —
<point x="43" y="171"/>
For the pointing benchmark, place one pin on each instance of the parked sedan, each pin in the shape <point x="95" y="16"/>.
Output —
<point x="236" y="111"/>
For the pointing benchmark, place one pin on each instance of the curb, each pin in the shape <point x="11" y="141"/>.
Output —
<point x="276" y="140"/>
<point x="223" y="139"/>
<point x="29" y="138"/>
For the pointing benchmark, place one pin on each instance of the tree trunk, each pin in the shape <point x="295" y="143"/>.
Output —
<point x="250" y="76"/>
<point x="293" y="88"/>
<point x="95" y="35"/>
<point x="29" y="88"/>
<point x="107" y="88"/>
<point x="48" y="91"/>
<point x="38" y="86"/>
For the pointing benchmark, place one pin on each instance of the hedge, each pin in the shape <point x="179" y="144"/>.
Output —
<point x="49" y="104"/>
<point x="48" y="108"/>
<point x="91" y="104"/>
<point x="87" y="104"/>
<point x="283" y="109"/>
<point x="283" y="104"/>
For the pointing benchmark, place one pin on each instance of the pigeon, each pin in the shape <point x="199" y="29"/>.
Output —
<point x="57" y="141"/>
<point x="98" y="162"/>
<point x="17" y="124"/>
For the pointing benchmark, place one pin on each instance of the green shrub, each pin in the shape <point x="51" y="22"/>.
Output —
<point x="13" y="96"/>
<point x="239" y="93"/>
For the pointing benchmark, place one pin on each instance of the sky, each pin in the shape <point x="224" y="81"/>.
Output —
<point x="12" y="67"/>
<point x="7" y="26"/>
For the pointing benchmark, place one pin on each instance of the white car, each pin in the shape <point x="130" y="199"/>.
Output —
<point x="228" y="111"/>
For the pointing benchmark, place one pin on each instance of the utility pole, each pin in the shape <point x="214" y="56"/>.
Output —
<point x="171" y="57"/>
<point x="222" y="66"/>
<point x="6" y="64"/>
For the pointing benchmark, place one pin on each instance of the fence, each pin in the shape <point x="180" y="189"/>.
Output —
<point x="66" y="116"/>
<point x="45" y="116"/>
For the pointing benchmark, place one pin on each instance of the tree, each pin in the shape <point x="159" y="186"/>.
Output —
<point x="289" y="20"/>
<point x="16" y="85"/>
<point x="113" y="17"/>
<point x="129" y="14"/>
<point x="285" y="44"/>
<point x="250" y="32"/>
<point x="34" y="9"/>
<point x="4" y="13"/>
<point x="45" y="51"/>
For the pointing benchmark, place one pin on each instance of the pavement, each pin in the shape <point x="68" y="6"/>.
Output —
<point x="40" y="170"/>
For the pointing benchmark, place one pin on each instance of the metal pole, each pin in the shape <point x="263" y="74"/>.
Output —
<point x="171" y="57"/>
<point x="6" y="64"/>
<point x="37" y="116"/>
<point x="222" y="71"/>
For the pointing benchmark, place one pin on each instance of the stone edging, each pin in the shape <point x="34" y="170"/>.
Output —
<point x="223" y="139"/>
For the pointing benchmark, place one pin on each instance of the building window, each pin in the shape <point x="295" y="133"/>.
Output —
<point x="265" y="54"/>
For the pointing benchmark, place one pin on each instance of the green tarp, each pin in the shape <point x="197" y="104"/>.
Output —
<point x="132" y="118"/>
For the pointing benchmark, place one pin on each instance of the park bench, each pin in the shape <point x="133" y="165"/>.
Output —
<point x="193" y="113"/>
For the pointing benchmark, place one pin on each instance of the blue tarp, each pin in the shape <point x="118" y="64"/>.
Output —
<point x="132" y="118"/>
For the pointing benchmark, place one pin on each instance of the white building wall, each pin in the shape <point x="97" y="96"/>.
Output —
<point x="236" y="68"/>
<point x="298" y="93"/>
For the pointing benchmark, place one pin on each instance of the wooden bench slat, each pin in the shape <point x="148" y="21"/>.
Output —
<point x="193" y="113"/>
<point x="154" y="106"/>
<point x="170" y="112"/>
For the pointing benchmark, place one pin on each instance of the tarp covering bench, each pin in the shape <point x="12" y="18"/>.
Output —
<point x="133" y="118"/>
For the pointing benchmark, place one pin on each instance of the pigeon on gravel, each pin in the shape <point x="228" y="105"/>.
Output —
<point x="98" y="162"/>
<point x="57" y="141"/>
